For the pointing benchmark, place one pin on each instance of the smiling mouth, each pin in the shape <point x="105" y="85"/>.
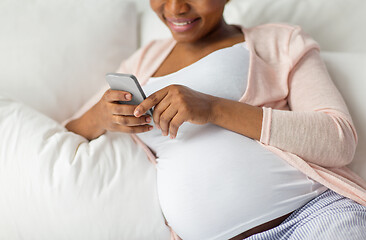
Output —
<point x="181" y="25"/>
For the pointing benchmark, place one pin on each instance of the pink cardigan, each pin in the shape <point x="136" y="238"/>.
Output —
<point x="305" y="120"/>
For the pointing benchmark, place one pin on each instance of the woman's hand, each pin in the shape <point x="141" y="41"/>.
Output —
<point x="117" y="117"/>
<point x="109" y="115"/>
<point x="175" y="105"/>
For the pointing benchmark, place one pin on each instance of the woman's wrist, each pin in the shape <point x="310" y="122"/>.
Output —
<point x="86" y="126"/>
<point x="215" y="109"/>
<point x="236" y="116"/>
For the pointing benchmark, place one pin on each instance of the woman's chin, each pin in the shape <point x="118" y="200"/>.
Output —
<point x="186" y="38"/>
<point x="183" y="39"/>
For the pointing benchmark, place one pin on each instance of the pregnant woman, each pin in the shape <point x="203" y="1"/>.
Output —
<point x="249" y="135"/>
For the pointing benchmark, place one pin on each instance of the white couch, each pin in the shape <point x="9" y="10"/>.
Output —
<point x="53" y="57"/>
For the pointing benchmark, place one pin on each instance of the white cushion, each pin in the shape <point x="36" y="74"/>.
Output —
<point x="337" y="25"/>
<point x="56" y="185"/>
<point x="54" y="54"/>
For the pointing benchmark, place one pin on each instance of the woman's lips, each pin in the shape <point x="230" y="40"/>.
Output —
<point x="181" y="25"/>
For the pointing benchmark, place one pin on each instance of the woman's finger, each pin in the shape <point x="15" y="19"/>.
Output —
<point x="121" y="109"/>
<point x="150" y="101"/>
<point x="116" y="95"/>
<point x="158" y="110"/>
<point x="132" y="129"/>
<point x="165" y="119"/>
<point x="175" y="123"/>
<point x="130" y="121"/>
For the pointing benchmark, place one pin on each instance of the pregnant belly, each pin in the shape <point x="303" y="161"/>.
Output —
<point x="216" y="184"/>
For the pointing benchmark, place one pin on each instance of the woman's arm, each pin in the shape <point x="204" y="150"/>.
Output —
<point x="85" y="126"/>
<point x="238" y="117"/>
<point x="177" y="104"/>
<point x="319" y="127"/>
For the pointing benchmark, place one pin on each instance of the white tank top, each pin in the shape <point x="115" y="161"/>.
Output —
<point x="214" y="183"/>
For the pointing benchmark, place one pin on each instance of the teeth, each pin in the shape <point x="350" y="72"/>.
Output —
<point x="182" y="23"/>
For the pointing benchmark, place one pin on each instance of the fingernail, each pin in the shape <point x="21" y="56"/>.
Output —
<point x="128" y="96"/>
<point x="150" y="128"/>
<point x="136" y="113"/>
<point x="172" y="136"/>
<point x="148" y="119"/>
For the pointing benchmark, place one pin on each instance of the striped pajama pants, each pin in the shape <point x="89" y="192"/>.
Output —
<point x="329" y="216"/>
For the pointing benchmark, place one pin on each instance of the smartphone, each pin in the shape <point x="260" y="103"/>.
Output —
<point x="127" y="83"/>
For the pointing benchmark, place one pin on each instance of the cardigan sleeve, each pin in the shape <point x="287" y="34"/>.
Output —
<point x="318" y="128"/>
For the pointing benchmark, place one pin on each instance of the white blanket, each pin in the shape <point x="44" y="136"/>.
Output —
<point x="57" y="185"/>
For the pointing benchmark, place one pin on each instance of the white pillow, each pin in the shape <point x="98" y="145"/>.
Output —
<point x="337" y="25"/>
<point x="54" y="54"/>
<point x="56" y="185"/>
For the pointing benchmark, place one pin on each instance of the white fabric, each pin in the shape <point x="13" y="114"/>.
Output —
<point x="210" y="171"/>
<point x="56" y="185"/>
<point x="221" y="73"/>
<point x="210" y="73"/>
<point x="54" y="54"/>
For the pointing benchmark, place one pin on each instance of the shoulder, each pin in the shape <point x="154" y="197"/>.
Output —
<point x="276" y="31"/>
<point x="280" y="40"/>
<point x="273" y="28"/>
